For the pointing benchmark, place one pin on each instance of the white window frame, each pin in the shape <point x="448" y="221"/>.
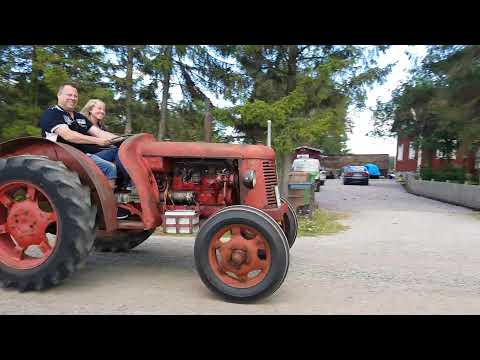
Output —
<point x="411" y="152"/>
<point x="400" y="152"/>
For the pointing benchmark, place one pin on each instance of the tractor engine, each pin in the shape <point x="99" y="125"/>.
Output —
<point x="203" y="184"/>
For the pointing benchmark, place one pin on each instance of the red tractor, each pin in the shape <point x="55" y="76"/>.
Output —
<point x="56" y="206"/>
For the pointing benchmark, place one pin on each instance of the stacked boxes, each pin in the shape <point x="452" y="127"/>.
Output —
<point x="180" y="222"/>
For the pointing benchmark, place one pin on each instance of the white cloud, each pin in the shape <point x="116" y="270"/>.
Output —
<point x="359" y="142"/>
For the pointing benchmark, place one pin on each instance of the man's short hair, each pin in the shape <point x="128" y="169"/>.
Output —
<point x="65" y="84"/>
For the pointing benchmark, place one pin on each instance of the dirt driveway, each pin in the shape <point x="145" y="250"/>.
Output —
<point x="402" y="255"/>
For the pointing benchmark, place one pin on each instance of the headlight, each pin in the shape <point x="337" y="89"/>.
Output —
<point x="250" y="179"/>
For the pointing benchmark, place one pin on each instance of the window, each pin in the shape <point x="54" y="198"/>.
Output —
<point x="453" y="155"/>
<point x="400" y="152"/>
<point x="441" y="155"/>
<point x="411" y="152"/>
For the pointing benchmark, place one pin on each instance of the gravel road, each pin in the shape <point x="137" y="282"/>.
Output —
<point x="402" y="254"/>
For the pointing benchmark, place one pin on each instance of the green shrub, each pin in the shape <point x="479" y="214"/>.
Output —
<point x="448" y="172"/>
<point x="426" y="173"/>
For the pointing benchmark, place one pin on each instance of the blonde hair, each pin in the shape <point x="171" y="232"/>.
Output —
<point x="88" y="107"/>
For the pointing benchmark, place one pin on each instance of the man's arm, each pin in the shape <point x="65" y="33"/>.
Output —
<point x="99" y="133"/>
<point x="75" y="137"/>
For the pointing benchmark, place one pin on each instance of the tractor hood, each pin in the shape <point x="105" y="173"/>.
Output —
<point x="150" y="147"/>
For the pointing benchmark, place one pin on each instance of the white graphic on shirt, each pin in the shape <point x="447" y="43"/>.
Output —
<point x="67" y="119"/>
<point x="81" y="122"/>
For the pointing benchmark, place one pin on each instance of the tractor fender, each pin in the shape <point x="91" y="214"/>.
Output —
<point x="131" y="155"/>
<point x="75" y="160"/>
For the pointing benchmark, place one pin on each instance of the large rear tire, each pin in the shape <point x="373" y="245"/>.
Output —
<point x="241" y="254"/>
<point x="47" y="222"/>
<point x="121" y="241"/>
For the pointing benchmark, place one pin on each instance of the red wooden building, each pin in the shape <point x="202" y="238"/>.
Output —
<point x="408" y="159"/>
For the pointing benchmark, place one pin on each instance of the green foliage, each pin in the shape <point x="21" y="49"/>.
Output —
<point x="30" y="77"/>
<point x="304" y="89"/>
<point x="448" y="172"/>
<point x="20" y="128"/>
<point x="440" y="104"/>
<point x="322" y="222"/>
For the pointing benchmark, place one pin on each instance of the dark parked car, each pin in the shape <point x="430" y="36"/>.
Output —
<point x="355" y="175"/>
<point x="330" y="174"/>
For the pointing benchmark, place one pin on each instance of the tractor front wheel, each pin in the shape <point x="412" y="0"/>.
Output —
<point x="241" y="254"/>
<point x="47" y="222"/>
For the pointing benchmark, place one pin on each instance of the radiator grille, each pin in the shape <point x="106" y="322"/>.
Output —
<point x="270" y="176"/>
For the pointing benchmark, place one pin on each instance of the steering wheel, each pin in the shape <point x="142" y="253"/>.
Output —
<point x="119" y="139"/>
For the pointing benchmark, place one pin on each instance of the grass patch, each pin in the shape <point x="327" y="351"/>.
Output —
<point x="322" y="223"/>
<point x="476" y="215"/>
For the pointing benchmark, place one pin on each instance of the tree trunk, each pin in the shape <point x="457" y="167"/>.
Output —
<point x="285" y="162"/>
<point x="286" y="159"/>
<point x="207" y="123"/>
<point x="129" y="85"/>
<point x="34" y="77"/>
<point x="427" y="157"/>
<point x="167" y="73"/>
<point x="292" y="68"/>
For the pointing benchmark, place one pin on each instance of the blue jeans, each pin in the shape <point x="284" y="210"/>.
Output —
<point x="107" y="167"/>
<point x="108" y="159"/>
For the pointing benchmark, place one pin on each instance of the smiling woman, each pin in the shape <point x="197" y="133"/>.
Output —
<point x="94" y="110"/>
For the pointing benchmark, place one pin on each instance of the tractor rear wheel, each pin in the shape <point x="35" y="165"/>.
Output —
<point x="241" y="254"/>
<point x="47" y="222"/>
<point x="290" y="223"/>
<point x="121" y="241"/>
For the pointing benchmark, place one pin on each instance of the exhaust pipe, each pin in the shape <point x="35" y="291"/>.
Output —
<point x="269" y="133"/>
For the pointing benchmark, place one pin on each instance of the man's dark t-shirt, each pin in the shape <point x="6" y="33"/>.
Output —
<point x="56" y="117"/>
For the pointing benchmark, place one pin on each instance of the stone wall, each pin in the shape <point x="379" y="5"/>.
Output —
<point x="458" y="194"/>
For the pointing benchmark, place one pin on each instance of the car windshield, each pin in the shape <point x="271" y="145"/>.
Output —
<point x="306" y="165"/>
<point x="356" y="168"/>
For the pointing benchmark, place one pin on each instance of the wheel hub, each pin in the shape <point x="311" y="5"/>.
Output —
<point x="238" y="257"/>
<point x="25" y="223"/>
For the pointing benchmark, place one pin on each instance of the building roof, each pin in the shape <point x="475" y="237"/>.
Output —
<point x="308" y="147"/>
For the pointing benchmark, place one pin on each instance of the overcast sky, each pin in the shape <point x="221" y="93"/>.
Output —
<point x="359" y="142"/>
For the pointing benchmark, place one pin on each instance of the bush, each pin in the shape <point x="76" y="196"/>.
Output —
<point x="448" y="172"/>
<point x="471" y="179"/>
<point x="426" y="173"/>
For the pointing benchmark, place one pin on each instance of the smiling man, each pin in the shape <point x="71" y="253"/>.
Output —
<point x="63" y="124"/>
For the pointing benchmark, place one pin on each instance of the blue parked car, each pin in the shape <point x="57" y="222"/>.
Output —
<point x="373" y="170"/>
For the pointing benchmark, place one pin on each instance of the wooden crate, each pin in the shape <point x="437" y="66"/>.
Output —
<point x="297" y="177"/>
<point x="301" y="194"/>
